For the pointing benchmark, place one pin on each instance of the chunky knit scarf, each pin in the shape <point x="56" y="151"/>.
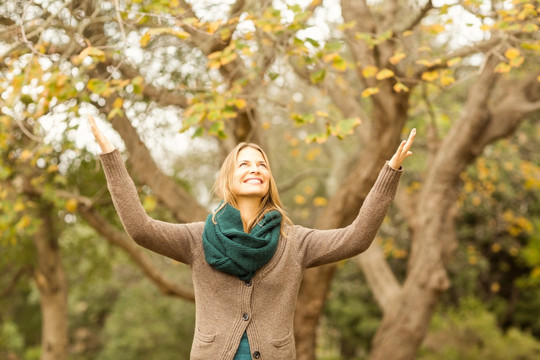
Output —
<point x="229" y="249"/>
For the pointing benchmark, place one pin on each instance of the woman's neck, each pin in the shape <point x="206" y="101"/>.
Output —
<point x="249" y="209"/>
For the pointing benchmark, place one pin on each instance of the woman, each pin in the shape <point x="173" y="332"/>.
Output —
<point x="247" y="259"/>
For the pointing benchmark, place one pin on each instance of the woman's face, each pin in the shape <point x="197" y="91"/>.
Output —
<point x="251" y="176"/>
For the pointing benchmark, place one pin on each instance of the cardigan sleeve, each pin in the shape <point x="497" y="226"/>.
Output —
<point x="176" y="241"/>
<point x="318" y="247"/>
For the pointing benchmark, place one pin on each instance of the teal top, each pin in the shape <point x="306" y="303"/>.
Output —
<point x="243" y="352"/>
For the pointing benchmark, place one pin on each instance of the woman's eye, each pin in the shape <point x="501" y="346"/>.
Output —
<point x="243" y="164"/>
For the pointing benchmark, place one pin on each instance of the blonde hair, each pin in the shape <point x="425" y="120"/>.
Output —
<point x="224" y="183"/>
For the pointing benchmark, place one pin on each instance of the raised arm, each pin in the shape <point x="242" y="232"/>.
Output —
<point x="318" y="247"/>
<point x="177" y="241"/>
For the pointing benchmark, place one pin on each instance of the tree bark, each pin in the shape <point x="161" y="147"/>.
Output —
<point x="50" y="279"/>
<point x="342" y="210"/>
<point x="404" y="327"/>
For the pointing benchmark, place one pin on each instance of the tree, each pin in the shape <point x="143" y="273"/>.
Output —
<point x="375" y="70"/>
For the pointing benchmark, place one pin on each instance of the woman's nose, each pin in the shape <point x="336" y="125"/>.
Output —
<point x="254" y="169"/>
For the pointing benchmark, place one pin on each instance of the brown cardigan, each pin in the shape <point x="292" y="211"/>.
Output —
<point x="264" y="307"/>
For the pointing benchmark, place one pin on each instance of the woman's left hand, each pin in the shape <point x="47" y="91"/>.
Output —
<point x="403" y="151"/>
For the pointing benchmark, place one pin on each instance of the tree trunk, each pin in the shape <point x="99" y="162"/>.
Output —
<point x="405" y="324"/>
<point x="50" y="279"/>
<point x="340" y="212"/>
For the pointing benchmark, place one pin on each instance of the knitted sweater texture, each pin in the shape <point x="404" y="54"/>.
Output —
<point x="226" y="306"/>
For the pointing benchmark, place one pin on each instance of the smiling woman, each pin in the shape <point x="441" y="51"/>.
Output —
<point x="247" y="259"/>
<point x="245" y="181"/>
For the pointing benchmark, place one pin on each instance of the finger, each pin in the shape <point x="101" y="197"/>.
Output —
<point x="93" y="126"/>
<point x="410" y="140"/>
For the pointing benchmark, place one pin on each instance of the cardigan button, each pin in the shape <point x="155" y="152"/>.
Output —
<point x="245" y="317"/>
<point x="256" y="354"/>
<point x="249" y="282"/>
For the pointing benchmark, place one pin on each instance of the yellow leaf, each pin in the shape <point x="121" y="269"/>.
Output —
<point x="19" y="206"/>
<point x="71" y="205"/>
<point x="266" y="125"/>
<point x="369" y="71"/>
<point x="407" y="33"/>
<point x="453" y="61"/>
<point x="339" y="64"/>
<point x="228" y="58"/>
<point x="538" y="78"/>
<point x="397" y="57"/>
<point x="181" y="34"/>
<point x="145" y="39"/>
<point x="299" y="199"/>
<point x="496" y="247"/>
<point x="26" y="155"/>
<point x="330" y="57"/>
<point x="214" y="64"/>
<point x="447" y="80"/>
<point x="516" y="62"/>
<point x="430" y="75"/>
<point x="384" y="74"/>
<point x="215" y="55"/>
<point x="149" y="203"/>
<point x="240" y="103"/>
<point x="512" y="53"/>
<point x="485" y="27"/>
<point x="320" y="201"/>
<point x="436" y="29"/>
<point x="399" y="87"/>
<point x="321" y="113"/>
<point x="370" y="91"/>
<point x="502" y="67"/>
<point x="118" y="102"/>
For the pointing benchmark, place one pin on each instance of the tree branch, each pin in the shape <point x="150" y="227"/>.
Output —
<point x="480" y="47"/>
<point x="14" y="281"/>
<point x="513" y="105"/>
<point x="120" y="239"/>
<point x="379" y="275"/>
<point x="421" y="15"/>
<point x="183" y="206"/>
<point x="162" y="97"/>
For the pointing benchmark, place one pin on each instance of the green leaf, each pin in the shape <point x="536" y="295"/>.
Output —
<point x="333" y="46"/>
<point x="346" y="126"/>
<point x="198" y="133"/>
<point x="216" y="127"/>
<point x="318" y="76"/>
<point x="97" y="86"/>
<point x="313" y="42"/>
<point x="301" y="119"/>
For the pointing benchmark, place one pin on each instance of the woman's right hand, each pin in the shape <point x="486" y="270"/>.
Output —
<point x="103" y="142"/>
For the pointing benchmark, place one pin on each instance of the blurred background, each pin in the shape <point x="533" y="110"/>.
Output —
<point x="328" y="89"/>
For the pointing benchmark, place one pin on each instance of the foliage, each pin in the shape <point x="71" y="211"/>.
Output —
<point x="351" y="313"/>
<point x="499" y="227"/>
<point x="470" y="332"/>
<point x="143" y="324"/>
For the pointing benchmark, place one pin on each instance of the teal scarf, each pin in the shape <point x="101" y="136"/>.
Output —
<point x="229" y="249"/>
